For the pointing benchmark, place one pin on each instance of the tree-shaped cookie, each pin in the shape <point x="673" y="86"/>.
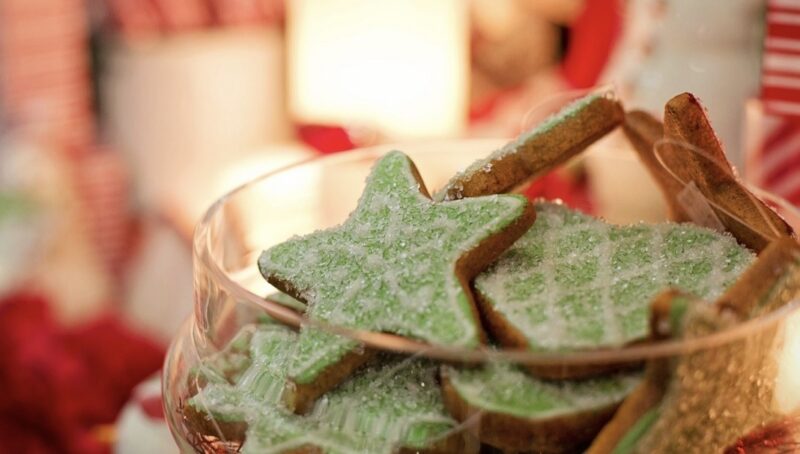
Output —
<point x="387" y="407"/>
<point x="515" y="412"/>
<point x="399" y="264"/>
<point x="574" y="282"/>
<point x="703" y="401"/>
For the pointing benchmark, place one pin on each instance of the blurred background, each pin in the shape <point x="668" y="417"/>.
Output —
<point x="121" y="121"/>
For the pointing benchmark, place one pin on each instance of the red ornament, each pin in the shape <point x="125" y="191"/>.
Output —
<point x="782" y="436"/>
<point x="573" y="191"/>
<point x="60" y="384"/>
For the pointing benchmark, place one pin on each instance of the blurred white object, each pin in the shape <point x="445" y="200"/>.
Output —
<point x="400" y="66"/>
<point x="158" y="293"/>
<point x="158" y="285"/>
<point x="51" y="252"/>
<point x="787" y="383"/>
<point x="710" y="48"/>
<point x="139" y="430"/>
<point x="182" y="107"/>
<point x="188" y="204"/>
<point x="623" y="190"/>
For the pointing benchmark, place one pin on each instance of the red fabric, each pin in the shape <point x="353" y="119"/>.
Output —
<point x="484" y="109"/>
<point x="60" y="384"/>
<point x="573" y="191"/>
<point x="153" y="407"/>
<point x="182" y="15"/>
<point x="592" y="38"/>
<point x="776" y="437"/>
<point x="133" y="18"/>
<point x="325" y="138"/>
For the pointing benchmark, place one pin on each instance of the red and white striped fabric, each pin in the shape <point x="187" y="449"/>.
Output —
<point x="134" y="18"/>
<point x="44" y="70"/>
<point x="46" y="95"/>
<point x="102" y="183"/>
<point x="777" y="161"/>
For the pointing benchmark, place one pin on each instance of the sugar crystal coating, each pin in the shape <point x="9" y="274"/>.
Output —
<point x="505" y="388"/>
<point x="389" y="267"/>
<point x="395" y="403"/>
<point x="573" y="281"/>
<point x="485" y="164"/>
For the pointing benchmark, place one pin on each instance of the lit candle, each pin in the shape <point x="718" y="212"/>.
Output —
<point x="399" y="66"/>
<point x="787" y="383"/>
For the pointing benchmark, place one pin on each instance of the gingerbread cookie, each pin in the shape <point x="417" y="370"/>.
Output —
<point x="539" y="150"/>
<point x="703" y="385"/>
<point x="768" y="283"/>
<point x="575" y="282"/>
<point x="399" y="264"/>
<point x="241" y="375"/>
<point x="693" y="154"/>
<point x="392" y="406"/>
<point x="519" y="413"/>
<point x="636" y="414"/>
<point x="726" y="390"/>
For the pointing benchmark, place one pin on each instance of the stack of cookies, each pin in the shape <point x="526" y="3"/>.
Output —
<point x="476" y="267"/>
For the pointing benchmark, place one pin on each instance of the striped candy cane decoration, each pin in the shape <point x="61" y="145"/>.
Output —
<point x="102" y="183"/>
<point x="44" y="70"/>
<point x="777" y="161"/>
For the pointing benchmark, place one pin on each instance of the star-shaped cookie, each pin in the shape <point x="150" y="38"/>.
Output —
<point x="400" y="263"/>
<point x="395" y="403"/>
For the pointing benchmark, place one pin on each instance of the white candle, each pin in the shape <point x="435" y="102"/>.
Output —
<point x="396" y="65"/>
<point x="787" y="383"/>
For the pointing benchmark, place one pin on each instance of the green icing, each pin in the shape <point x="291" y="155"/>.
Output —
<point x="677" y="311"/>
<point x="284" y="300"/>
<point x="716" y="394"/>
<point x="573" y="281"/>
<point x="389" y="267"/>
<point x="504" y="388"/>
<point x="227" y="364"/>
<point x="713" y="395"/>
<point x="395" y="403"/>
<point x="628" y="442"/>
<point x="261" y="352"/>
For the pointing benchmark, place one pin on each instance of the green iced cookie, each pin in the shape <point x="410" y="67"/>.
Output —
<point x="522" y="413"/>
<point x="400" y="264"/>
<point x="396" y="403"/>
<point x="235" y="357"/>
<point x="702" y="384"/>
<point x="711" y="397"/>
<point x="575" y="282"/>
<point x="285" y="301"/>
<point x="538" y="150"/>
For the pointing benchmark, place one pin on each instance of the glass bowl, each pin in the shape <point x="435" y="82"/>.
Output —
<point x="230" y="298"/>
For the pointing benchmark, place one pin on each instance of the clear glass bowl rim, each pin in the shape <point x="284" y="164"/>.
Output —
<point x="389" y="342"/>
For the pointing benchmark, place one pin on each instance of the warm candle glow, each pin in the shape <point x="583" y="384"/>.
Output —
<point x="396" y="65"/>
<point x="787" y="383"/>
<point x="278" y="207"/>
